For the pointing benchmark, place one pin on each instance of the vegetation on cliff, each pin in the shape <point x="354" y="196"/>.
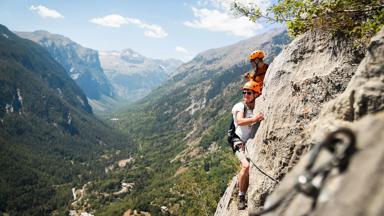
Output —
<point x="359" y="19"/>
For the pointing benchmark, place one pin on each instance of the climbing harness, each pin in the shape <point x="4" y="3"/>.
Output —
<point x="342" y="145"/>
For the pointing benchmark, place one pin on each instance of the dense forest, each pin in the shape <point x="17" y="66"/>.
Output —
<point x="50" y="140"/>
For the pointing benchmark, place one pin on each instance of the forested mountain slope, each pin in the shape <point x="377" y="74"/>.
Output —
<point x="49" y="139"/>
<point x="82" y="64"/>
<point x="180" y="128"/>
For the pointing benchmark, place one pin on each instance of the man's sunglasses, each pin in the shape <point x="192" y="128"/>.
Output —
<point x="247" y="92"/>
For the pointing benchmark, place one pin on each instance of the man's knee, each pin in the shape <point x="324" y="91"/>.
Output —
<point x="245" y="165"/>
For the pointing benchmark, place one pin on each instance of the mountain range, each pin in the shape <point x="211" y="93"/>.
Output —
<point x="182" y="124"/>
<point x="133" y="75"/>
<point x="50" y="141"/>
<point x="108" y="78"/>
<point x="82" y="64"/>
<point x="212" y="78"/>
<point x="167" y="153"/>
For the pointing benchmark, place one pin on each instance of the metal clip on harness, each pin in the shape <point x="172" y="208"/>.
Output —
<point x="341" y="144"/>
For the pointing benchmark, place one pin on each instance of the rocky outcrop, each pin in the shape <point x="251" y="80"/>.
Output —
<point x="358" y="191"/>
<point x="319" y="83"/>
<point x="81" y="63"/>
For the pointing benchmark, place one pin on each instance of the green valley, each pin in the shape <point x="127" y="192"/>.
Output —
<point x="166" y="153"/>
<point x="50" y="141"/>
<point x="184" y="162"/>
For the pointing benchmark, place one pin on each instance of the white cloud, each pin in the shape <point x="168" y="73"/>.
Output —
<point x="184" y="54"/>
<point x="112" y="20"/>
<point x="154" y="31"/>
<point x="227" y="4"/>
<point x="262" y="4"/>
<point x="217" y="16"/>
<point x="46" y="12"/>
<point x="116" y="21"/>
<point x="217" y="21"/>
<point x="181" y="50"/>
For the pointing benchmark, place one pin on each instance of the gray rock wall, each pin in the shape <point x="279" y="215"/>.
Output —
<point x="81" y="63"/>
<point x="314" y="86"/>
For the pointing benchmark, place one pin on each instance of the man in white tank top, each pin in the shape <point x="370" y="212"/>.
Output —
<point x="245" y="124"/>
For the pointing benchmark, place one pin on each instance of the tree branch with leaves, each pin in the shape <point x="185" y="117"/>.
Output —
<point x="357" y="19"/>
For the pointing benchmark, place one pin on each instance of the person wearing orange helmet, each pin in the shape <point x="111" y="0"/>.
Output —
<point x="245" y="127"/>
<point x="259" y="68"/>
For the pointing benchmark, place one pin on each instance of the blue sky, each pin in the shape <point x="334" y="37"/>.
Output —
<point x="154" y="28"/>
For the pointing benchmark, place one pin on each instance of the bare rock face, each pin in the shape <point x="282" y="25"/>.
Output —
<point x="81" y="63"/>
<point x="311" y="71"/>
<point x="314" y="86"/>
<point x="357" y="191"/>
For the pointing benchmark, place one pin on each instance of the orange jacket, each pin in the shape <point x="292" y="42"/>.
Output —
<point x="259" y="78"/>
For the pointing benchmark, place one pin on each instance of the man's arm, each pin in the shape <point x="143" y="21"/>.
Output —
<point x="240" y="120"/>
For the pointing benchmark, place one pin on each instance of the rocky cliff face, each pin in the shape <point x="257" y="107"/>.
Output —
<point x="133" y="75"/>
<point x="315" y="85"/>
<point x="81" y="63"/>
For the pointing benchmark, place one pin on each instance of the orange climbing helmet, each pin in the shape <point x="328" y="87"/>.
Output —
<point x="256" y="54"/>
<point x="254" y="86"/>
